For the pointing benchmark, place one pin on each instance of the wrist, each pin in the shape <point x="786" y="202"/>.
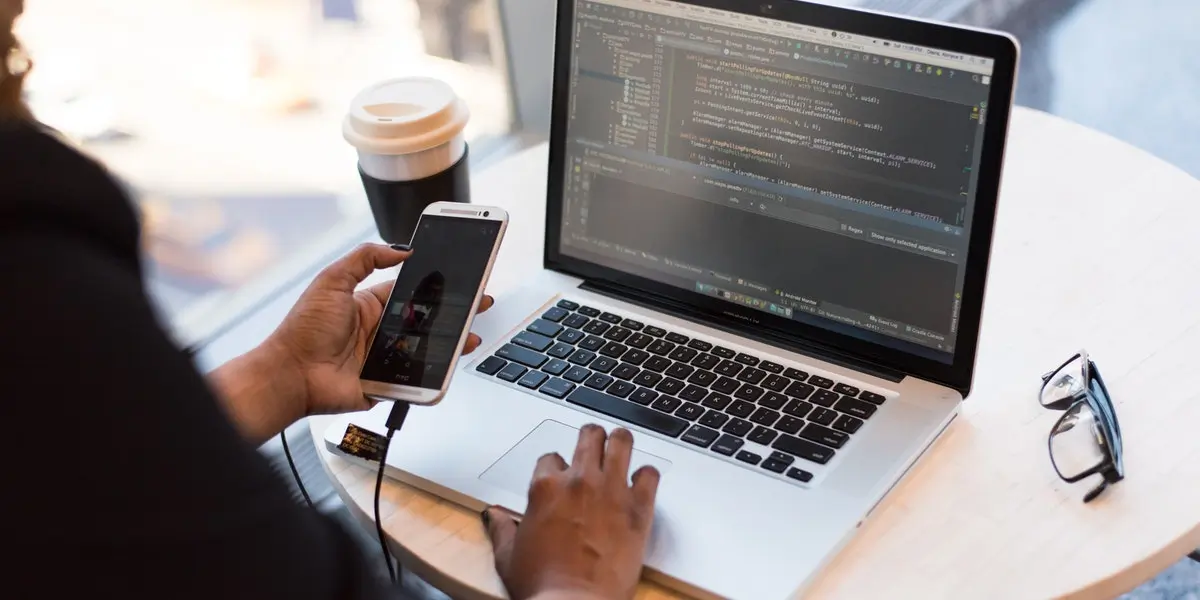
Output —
<point x="263" y="391"/>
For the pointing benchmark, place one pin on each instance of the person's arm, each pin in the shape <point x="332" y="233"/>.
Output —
<point x="263" y="391"/>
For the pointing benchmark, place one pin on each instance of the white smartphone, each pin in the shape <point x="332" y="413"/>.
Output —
<point x="428" y="316"/>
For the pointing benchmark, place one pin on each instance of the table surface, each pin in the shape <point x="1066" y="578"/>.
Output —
<point x="1094" y="245"/>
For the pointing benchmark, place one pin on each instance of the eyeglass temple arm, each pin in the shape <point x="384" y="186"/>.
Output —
<point x="1096" y="491"/>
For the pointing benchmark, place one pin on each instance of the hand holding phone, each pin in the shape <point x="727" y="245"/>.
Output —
<point x="428" y="315"/>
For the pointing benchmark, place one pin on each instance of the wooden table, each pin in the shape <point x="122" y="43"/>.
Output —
<point x="1097" y="246"/>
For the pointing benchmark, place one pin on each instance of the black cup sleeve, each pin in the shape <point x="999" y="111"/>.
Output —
<point x="397" y="205"/>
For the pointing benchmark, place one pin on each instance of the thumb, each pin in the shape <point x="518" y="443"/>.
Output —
<point x="502" y="529"/>
<point x="352" y="269"/>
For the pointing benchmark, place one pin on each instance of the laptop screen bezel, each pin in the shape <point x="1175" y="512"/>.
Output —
<point x="1003" y="49"/>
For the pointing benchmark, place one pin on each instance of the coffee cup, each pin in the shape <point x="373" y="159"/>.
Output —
<point x="411" y="150"/>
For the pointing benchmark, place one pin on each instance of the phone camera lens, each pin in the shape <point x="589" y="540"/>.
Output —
<point x="487" y="213"/>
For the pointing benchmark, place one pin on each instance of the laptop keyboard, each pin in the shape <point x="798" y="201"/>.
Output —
<point x="703" y="394"/>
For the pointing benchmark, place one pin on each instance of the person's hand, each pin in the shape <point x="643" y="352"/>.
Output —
<point x="585" y="530"/>
<point x="326" y="335"/>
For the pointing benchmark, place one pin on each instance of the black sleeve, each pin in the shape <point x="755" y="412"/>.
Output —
<point x="123" y="477"/>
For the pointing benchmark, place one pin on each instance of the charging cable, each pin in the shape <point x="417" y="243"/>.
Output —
<point x="395" y="421"/>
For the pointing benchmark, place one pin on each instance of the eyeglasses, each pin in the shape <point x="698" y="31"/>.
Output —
<point x="1086" y="440"/>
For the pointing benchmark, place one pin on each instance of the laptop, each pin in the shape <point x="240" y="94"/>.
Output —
<point x="767" y="236"/>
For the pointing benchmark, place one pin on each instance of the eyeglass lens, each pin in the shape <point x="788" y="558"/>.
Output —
<point x="1065" y="382"/>
<point x="1076" y="443"/>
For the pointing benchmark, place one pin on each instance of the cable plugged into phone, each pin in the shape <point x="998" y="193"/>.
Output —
<point x="395" y="421"/>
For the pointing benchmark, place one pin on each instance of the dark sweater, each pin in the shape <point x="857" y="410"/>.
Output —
<point x="122" y="476"/>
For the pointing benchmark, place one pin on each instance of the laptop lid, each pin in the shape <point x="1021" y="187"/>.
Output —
<point x="816" y="175"/>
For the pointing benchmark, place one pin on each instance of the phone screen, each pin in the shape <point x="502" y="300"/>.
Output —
<point x="431" y="302"/>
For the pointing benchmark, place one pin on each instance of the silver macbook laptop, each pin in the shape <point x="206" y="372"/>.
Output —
<point x="767" y="235"/>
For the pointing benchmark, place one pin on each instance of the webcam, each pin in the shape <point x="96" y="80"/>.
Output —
<point x="767" y="8"/>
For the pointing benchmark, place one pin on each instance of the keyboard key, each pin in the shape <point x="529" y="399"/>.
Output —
<point x="491" y="365"/>
<point x="847" y="423"/>
<point x="738" y="427"/>
<point x="657" y="364"/>
<point x="680" y="370"/>
<point x="626" y="371"/>
<point x="771" y="367"/>
<point x="643" y="396"/>
<point x="544" y="327"/>
<point x="803" y="449"/>
<point x="751" y="375"/>
<point x="618" y="334"/>
<point x="799" y="474"/>
<point x="555" y="314"/>
<point x="660" y="347"/>
<point x="872" y="397"/>
<point x="592" y="343"/>
<point x="775" y="383"/>
<point x="639" y="340"/>
<point x="727" y="445"/>
<point x="598" y="381"/>
<point x="700" y="345"/>
<point x="693" y="393"/>
<point x="748" y="457"/>
<point x="724" y="352"/>
<point x="676" y="338"/>
<point x="765" y="417"/>
<point x="773" y="400"/>
<point x="521" y="355"/>
<point x="557" y="388"/>
<point x="683" y="354"/>
<point x="571" y="336"/>
<point x="775" y="466"/>
<point x="653" y="331"/>
<point x="762" y="435"/>
<point x="788" y="424"/>
<point x="613" y="350"/>
<point x="858" y="408"/>
<point x="800" y="390"/>
<point x="798" y="408"/>
<point x="635" y="357"/>
<point x="575" y="321"/>
<point x="820" y="382"/>
<point x="533" y="379"/>
<point x="577" y="374"/>
<point x="603" y="364"/>
<point x="647" y="379"/>
<point x="741" y="408"/>
<point x="717" y="401"/>
<point x="559" y="350"/>
<point x="796" y="374"/>
<point x="848" y="390"/>
<point x="746" y="359"/>
<point x="666" y="404"/>
<point x="689" y="411"/>
<point x="702" y="378"/>
<point x="556" y="367"/>
<point x="627" y="411"/>
<point x="714" y="419"/>
<point x="824" y="435"/>
<point x="824" y="398"/>
<point x="512" y="372"/>
<point x="700" y="436"/>
<point x="621" y="389"/>
<point x="669" y="385"/>
<point x="567" y="305"/>
<point x="750" y="393"/>
<point x="705" y="361"/>
<point x="729" y="368"/>
<point x="596" y="327"/>
<point x="610" y="318"/>
<point x="823" y="416"/>
<point x="781" y="457"/>
<point x="631" y="324"/>
<point x="588" y="311"/>
<point x="726" y="385"/>
<point x="582" y="357"/>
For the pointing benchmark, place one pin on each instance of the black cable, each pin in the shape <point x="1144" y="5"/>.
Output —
<point x="395" y="421"/>
<point x="295" y="472"/>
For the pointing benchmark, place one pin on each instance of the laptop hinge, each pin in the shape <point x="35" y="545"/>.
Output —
<point x="766" y="336"/>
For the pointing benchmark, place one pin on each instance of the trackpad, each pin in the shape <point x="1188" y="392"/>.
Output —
<point x="514" y="470"/>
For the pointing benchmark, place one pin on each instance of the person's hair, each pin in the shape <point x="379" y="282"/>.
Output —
<point x="11" y="105"/>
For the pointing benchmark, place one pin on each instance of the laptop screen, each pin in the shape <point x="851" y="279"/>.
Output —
<point x="817" y="175"/>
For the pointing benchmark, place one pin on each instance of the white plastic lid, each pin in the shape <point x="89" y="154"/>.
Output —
<point x="406" y="115"/>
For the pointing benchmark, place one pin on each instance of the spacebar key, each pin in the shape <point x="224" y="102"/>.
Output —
<point x="627" y="411"/>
